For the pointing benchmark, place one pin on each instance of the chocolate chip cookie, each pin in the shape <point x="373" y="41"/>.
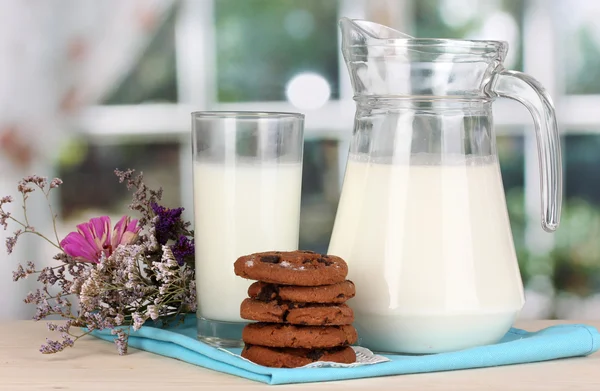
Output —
<point x="296" y="313"/>
<point x="304" y="268"/>
<point x="296" y="357"/>
<point x="335" y="293"/>
<point x="290" y="336"/>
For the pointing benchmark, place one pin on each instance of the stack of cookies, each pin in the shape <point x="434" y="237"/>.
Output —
<point x="298" y="302"/>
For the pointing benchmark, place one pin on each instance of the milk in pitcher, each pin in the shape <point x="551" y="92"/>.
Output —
<point x="430" y="250"/>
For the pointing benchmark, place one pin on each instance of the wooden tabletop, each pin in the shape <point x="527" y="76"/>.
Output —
<point x="94" y="365"/>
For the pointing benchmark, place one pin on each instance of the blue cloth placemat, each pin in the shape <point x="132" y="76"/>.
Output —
<point x="518" y="346"/>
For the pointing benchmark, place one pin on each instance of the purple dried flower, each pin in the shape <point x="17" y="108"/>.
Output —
<point x="67" y="341"/>
<point x="138" y="320"/>
<point x="143" y="197"/>
<point x="47" y="276"/>
<point x="32" y="297"/>
<point x="55" y="183"/>
<point x="51" y="347"/>
<point x="57" y="346"/>
<point x="4" y="216"/>
<point x="19" y="273"/>
<point x="120" y="341"/>
<point x="22" y="273"/>
<point x="39" y="181"/>
<point x="189" y="299"/>
<point x="64" y="328"/>
<point x="24" y="189"/>
<point x="3" y="219"/>
<point x="183" y="250"/>
<point x="11" y="241"/>
<point x="168" y="221"/>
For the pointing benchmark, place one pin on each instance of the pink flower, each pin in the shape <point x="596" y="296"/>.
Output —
<point x="97" y="236"/>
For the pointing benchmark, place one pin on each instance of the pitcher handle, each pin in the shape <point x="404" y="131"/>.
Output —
<point x="528" y="91"/>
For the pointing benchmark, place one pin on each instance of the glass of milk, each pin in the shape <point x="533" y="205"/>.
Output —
<point x="247" y="184"/>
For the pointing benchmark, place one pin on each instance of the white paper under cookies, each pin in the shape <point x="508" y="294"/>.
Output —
<point x="363" y="357"/>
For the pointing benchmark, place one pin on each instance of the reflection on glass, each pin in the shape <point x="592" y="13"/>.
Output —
<point x="320" y="193"/>
<point x="262" y="44"/>
<point x="511" y="153"/>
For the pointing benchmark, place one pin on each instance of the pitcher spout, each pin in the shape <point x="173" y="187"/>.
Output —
<point x="386" y="62"/>
<point x="359" y="32"/>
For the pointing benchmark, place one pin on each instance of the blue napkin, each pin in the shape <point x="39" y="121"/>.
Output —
<point x="518" y="346"/>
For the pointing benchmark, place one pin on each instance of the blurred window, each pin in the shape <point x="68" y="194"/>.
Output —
<point x="262" y="45"/>
<point x="154" y="78"/>
<point x="473" y="19"/>
<point x="284" y="55"/>
<point x="580" y="39"/>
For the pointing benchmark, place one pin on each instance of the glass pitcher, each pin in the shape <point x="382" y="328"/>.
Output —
<point x="422" y="219"/>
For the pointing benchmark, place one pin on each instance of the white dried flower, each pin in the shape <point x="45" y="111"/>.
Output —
<point x="152" y="312"/>
<point x="119" y="319"/>
<point x="168" y="258"/>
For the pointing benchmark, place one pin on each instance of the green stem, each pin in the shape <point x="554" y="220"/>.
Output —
<point x="45" y="238"/>
<point x="25" y="209"/>
<point x="61" y="314"/>
<point x="27" y="230"/>
<point x="53" y="222"/>
<point x="140" y="273"/>
<point x="80" y="335"/>
<point x="53" y="267"/>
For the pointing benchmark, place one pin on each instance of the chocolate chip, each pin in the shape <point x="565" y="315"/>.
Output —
<point x="307" y="261"/>
<point x="285" y="315"/>
<point x="307" y="252"/>
<point x="268" y="293"/>
<point x="270" y="259"/>
<point x="325" y="261"/>
<point x="315" y="355"/>
<point x="340" y="296"/>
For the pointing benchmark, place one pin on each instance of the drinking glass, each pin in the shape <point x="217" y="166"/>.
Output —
<point x="247" y="183"/>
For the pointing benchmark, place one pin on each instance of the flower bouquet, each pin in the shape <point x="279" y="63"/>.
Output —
<point x="109" y="277"/>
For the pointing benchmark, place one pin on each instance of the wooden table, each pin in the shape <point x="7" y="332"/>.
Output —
<point x="94" y="365"/>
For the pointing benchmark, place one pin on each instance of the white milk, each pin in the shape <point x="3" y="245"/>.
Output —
<point x="430" y="250"/>
<point x="240" y="210"/>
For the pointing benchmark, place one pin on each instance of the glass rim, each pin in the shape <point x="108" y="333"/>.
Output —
<point x="247" y="114"/>
<point x="436" y="42"/>
<point x="456" y="48"/>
